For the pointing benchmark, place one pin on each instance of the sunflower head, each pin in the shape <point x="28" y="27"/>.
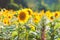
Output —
<point x="9" y="16"/>
<point x="51" y="18"/>
<point x="56" y="14"/>
<point x="30" y="12"/>
<point x="49" y="15"/>
<point x="36" y="18"/>
<point x="23" y="16"/>
<point x="42" y="12"/>
<point x="5" y="13"/>
<point x="6" y="21"/>
<point x="12" y="12"/>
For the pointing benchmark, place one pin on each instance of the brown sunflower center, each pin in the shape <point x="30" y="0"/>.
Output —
<point x="29" y="12"/>
<point x="56" y="14"/>
<point x="22" y="16"/>
<point x="51" y="17"/>
<point x="35" y="18"/>
<point x="9" y="17"/>
<point x="5" y="22"/>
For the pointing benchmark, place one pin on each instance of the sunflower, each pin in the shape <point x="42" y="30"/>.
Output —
<point x="12" y="12"/>
<point x="41" y="13"/>
<point x="56" y="14"/>
<point x="49" y="15"/>
<point x="5" y="13"/>
<point x="6" y="21"/>
<point x="23" y="16"/>
<point x="36" y="18"/>
<point x="30" y="12"/>
<point x="9" y="16"/>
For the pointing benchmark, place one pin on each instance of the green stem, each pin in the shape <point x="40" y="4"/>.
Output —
<point x="18" y="31"/>
<point x="2" y="34"/>
<point x="52" y="32"/>
<point x="18" y="34"/>
<point x="27" y="36"/>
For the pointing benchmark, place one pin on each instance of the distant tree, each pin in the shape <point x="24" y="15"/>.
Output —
<point x="4" y="3"/>
<point x="22" y="2"/>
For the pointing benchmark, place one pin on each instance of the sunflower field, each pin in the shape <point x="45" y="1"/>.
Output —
<point x="26" y="24"/>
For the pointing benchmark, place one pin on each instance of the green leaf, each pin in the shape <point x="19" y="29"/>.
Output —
<point x="58" y="38"/>
<point x="14" y="33"/>
<point x="57" y="26"/>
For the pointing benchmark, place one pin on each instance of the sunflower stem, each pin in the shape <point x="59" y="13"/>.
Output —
<point x="52" y="32"/>
<point x="18" y="35"/>
<point x="27" y="36"/>
<point x="18" y="31"/>
<point x="1" y="33"/>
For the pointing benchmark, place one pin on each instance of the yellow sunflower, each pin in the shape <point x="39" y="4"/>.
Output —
<point x="23" y="16"/>
<point x="49" y="15"/>
<point x="36" y="18"/>
<point x="56" y="14"/>
<point x="41" y="13"/>
<point x="30" y="12"/>
<point x="5" y="13"/>
<point x="12" y="12"/>
<point x="9" y="16"/>
<point x="6" y="21"/>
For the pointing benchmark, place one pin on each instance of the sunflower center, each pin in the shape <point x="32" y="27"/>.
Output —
<point x="22" y="16"/>
<point x="29" y="12"/>
<point x="9" y="17"/>
<point x="56" y="14"/>
<point x="35" y="18"/>
<point x="51" y="17"/>
<point x="5" y="22"/>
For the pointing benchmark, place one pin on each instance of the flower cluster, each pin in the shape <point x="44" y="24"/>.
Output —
<point x="27" y="24"/>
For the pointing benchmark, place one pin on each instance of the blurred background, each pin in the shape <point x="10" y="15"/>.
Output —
<point x="35" y="5"/>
